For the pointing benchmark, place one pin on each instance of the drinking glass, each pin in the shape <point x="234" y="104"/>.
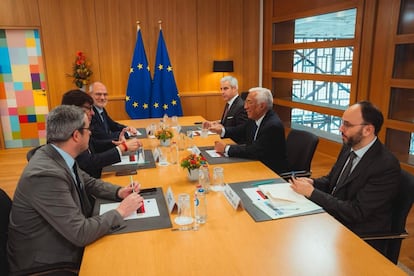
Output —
<point x="184" y="210"/>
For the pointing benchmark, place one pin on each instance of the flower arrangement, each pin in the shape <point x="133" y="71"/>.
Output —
<point x="164" y="134"/>
<point x="193" y="161"/>
<point x="81" y="71"/>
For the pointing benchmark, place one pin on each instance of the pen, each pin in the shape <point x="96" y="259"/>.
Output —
<point x="255" y="184"/>
<point x="131" y="180"/>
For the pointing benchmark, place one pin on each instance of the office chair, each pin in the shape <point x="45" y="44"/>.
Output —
<point x="244" y="94"/>
<point x="60" y="269"/>
<point x="300" y="148"/>
<point x="400" y="210"/>
<point x="5" y="207"/>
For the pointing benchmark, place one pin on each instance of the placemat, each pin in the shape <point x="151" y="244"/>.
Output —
<point x="143" y="224"/>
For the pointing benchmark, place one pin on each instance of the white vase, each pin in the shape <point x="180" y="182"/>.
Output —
<point x="165" y="143"/>
<point x="192" y="174"/>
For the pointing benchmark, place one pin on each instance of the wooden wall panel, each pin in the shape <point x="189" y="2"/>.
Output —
<point x="195" y="32"/>
<point x="19" y="13"/>
<point x="63" y="34"/>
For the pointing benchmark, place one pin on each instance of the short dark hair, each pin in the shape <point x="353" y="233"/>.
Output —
<point x="76" y="97"/>
<point x="371" y="115"/>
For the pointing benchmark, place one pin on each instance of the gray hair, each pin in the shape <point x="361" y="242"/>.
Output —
<point x="263" y="96"/>
<point x="232" y="80"/>
<point x="62" y="121"/>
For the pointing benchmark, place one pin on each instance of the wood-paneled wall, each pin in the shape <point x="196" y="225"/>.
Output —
<point x="196" y="32"/>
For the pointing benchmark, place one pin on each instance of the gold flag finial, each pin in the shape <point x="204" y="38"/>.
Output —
<point x="159" y="23"/>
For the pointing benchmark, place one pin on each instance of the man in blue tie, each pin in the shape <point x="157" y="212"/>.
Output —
<point x="104" y="128"/>
<point x="263" y="133"/>
<point x="360" y="188"/>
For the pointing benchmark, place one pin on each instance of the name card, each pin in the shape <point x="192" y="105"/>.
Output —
<point x="169" y="197"/>
<point x="195" y="150"/>
<point x="231" y="197"/>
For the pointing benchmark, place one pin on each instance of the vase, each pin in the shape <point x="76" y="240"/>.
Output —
<point x="192" y="174"/>
<point x="165" y="143"/>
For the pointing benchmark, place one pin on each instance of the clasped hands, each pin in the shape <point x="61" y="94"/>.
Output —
<point x="302" y="185"/>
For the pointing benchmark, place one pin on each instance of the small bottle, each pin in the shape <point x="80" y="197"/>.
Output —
<point x="174" y="153"/>
<point x="200" y="206"/>
<point x="204" y="177"/>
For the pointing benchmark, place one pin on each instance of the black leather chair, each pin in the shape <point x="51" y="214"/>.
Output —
<point x="400" y="210"/>
<point x="5" y="207"/>
<point x="300" y="147"/>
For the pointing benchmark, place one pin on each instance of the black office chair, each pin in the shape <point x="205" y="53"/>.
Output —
<point x="244" y="94"/>
<point x="300" y="148"/>
<point x="5" y="207"/>
<point x="400" y="210"/>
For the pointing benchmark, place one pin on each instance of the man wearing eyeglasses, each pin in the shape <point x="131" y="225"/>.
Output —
<point x="360" y="188"/>
<point x="104" y="128"/>
<point x="51" y="217"/>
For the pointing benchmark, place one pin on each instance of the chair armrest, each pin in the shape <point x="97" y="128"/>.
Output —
<point x="288" y="175"/>
<point x="389" y="236"/>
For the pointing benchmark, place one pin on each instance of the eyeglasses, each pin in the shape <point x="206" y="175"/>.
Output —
<point x="100" y="94"/>
<point x="87" y="107"/>
<point x="347" y="124"/>
<point x="88" y="128"/>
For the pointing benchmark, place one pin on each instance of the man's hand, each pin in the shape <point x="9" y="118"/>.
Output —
<point x="219" y="146"/>
<point x="130" y="204"/>
<point x="302" y="185"/>
<point x="216" y="128"/>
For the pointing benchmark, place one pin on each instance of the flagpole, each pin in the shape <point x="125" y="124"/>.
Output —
<point x="138" y="26"/>
<point x="159" y="23"/>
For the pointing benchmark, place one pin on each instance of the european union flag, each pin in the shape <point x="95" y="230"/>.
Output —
<point x="165" y="98"/>
<point x="138" y="95"/>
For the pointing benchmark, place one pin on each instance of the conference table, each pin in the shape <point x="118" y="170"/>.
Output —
<point x="230" y="242"/>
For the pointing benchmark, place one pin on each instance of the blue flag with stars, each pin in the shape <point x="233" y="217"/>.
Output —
<point x="165" y="98"/>
<point x="138" y="94"/>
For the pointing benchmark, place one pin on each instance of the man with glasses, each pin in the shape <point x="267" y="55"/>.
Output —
<point x="360" y="188"/>
<point x="51" y="217"/>
<point x="263" y="132"/>
<point x="100" y="153"/>
<point x="104" y="128"/>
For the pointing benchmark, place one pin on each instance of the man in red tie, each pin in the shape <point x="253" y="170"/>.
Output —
<point x="234" y="113"/>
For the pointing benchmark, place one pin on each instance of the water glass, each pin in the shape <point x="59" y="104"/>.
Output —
<point x="218" y="179"/>
<point x="184" y="210"/>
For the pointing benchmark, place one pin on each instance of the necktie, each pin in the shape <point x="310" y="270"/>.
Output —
<point x="226" y="110"/>
<point x="254" y="131"/>
<point x="345" y="172"/>
<point x="85" y="203"/>
<point x="105" y="124"/>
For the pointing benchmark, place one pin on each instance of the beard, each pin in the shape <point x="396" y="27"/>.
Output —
<point x="355" y="139"/>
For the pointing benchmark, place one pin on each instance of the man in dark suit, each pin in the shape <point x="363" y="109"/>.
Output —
<point x="100" y="153"/>
<point x="360" y="199"/>
<point x="51" y="217"/>
<point x="234" y="113"/>
<point x="104" y="128"/>
<point x="263" y="132"/>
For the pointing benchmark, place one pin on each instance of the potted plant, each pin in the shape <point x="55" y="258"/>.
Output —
<point x="81" y="71"/>
<point x="192" y="163"/>
<point x="164" y="135"/>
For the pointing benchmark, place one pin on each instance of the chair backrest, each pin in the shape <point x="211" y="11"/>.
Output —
<point x="400" y="210"/>
<point x="300" y="148"/>
<point x="5" y="207"/>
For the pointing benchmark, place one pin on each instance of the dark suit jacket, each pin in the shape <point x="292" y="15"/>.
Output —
<point x="98" y="128"/>
<point x="236" y="115"/>
<point x="269" y="146"/>
<point x="92" y="161"/>
<point x="363" y="202"/>
<point x="48" y="224"/>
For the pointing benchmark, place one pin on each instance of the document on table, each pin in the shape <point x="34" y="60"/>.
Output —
<point x="150" y="205"/>
<point x="213" y="153"/>
<point x="280" y="201"/>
